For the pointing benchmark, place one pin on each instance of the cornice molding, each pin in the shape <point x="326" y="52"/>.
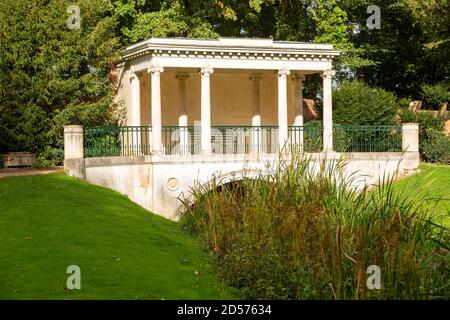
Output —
<point x="237" y="54"/>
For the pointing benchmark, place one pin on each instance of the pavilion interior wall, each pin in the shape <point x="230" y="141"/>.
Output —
<point x="231" y="98"/>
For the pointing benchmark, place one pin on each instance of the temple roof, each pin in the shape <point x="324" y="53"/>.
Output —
<point x="240" y="45"/>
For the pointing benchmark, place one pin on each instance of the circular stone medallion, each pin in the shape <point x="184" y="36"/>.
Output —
<point x="173" y="184"/>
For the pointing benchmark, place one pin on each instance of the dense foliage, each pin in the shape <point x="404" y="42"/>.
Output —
<point x="425" y="120"/>
<point x="436" y="96"/>
<point x="51" y="76"/>
<point x="356" y="103"/>
<point x="434" y="145"/>
<point x="296" y="234"/>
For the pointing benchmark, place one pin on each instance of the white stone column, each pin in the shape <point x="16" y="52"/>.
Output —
<point x="256" y="134"/>
<point x="74" y="164"/>
<point x="206" y="110"/>
<point x="327" y="111"/>
<point x="133" y="140"/>
<point x="155" y="71"/>
<point x="135" y="100"/>
<point x="299" y="113"/>
<point x="182" y="115"/>
<point x="282" y="109"/>
<point x="410" y="137"/>
<point x="410" y="147"/>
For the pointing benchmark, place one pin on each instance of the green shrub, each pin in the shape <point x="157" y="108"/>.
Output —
<point x="433" y="144"/>
<point x="435" y="95"/>
<point x="403" y="103"/>
<point x="358" y="104"/>
<point x="41" y="163"/>
<point x="299" y="235"/>
<point x="102" y="146"/>
<point x="425" y="120"/>
<point x="54" y="154"/>
<point x="49" y="158"/>
<point x="435" y="147"/>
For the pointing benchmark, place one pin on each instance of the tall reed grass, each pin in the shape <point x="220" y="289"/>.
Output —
<point x="302" y="232"/>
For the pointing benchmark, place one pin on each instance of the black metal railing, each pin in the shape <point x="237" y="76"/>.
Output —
<point x="367" y="138"/>
<point x="109" y="141"/>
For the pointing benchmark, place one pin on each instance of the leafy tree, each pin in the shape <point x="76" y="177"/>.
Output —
<point x="395" y="50"/>
<point x="395" y="58"/>
<point x="433" y="17"/>
<point x="126" y="11"/>
<point x="50" y="75"/>
<point x="410" y="49"/>
<point x="311" y="21"/>
<point x="169" y="21"/>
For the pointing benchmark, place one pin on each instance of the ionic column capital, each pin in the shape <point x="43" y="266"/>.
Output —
<point x="155" y="70"/>
<point x="328" y="74"/>
<point x="206" y="72"/>
<point x="284" y="72"/>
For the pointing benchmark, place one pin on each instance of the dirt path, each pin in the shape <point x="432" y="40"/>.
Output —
<point x="12" y="172"/>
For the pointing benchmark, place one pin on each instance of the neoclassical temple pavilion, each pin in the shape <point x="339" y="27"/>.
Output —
<point x="199" y="110"/>
<point x="245" y="86"/>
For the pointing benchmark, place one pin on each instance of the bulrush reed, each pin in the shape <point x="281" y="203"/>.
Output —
<point x="302" y="232"/>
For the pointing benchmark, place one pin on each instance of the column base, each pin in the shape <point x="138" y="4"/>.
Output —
<point x="330" y="154"/>
<point x="206" y="153"/>
<point x="157" y="152"/>
<point x="75" y="168"/>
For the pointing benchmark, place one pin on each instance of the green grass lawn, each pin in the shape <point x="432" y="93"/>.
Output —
<point x="50" y="222"/>
<point x="431" y="184"/>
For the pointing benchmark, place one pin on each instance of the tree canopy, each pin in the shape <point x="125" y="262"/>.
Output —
<point x="51" y="75"/>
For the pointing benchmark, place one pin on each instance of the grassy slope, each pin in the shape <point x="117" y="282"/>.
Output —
<point x="50" y="222"/>
<point x="433" y="184"/>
